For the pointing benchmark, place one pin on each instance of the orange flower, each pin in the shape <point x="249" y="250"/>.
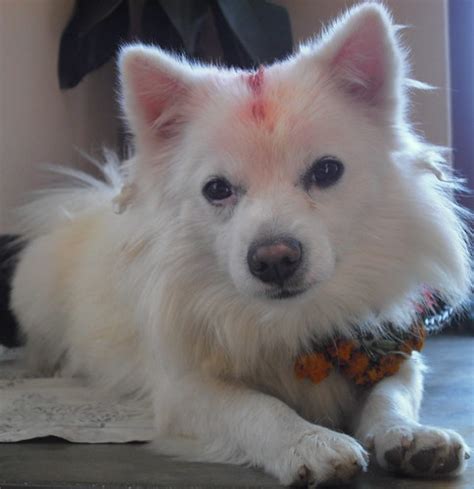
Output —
<point x="415" y="343"/>
<point x="345" y="351"/>
<point x="420" y="337"/>
<point x="315" y="366"/>
<point x="390" y="364"/>
<point x="342" y="350"/>
<point x="375" y="374"/>
<point x="358" y="365"/>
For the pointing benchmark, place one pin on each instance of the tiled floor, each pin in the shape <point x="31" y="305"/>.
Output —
<point x="449" y="402"/>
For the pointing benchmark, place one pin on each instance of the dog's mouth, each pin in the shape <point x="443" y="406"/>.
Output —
<point x="284" y="293"/>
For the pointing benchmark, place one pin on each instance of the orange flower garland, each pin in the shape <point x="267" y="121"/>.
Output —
<point x="364" y="361"/>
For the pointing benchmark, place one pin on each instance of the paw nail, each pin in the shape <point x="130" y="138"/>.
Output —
<point x="406" y="441"/>
<point x="303" y="472"/>
<point x="369" y="442"/>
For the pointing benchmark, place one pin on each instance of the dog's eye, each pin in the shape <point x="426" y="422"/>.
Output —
<point x="217" y="189"/>
<point x="324" y="172"/>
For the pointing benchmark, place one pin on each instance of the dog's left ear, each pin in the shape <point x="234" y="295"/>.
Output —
<point x="362" y="56"/>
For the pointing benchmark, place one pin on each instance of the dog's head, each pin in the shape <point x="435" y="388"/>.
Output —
<point x="298" y="186"/>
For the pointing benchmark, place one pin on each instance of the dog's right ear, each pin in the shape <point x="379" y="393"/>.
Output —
<point x="155" y="87"/>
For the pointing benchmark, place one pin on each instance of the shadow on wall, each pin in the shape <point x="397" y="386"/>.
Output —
<point x="461" y="21"/>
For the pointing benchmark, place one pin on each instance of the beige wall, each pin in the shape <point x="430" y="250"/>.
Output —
<point x="427" y="39"/>
<point x="38" y="122"/>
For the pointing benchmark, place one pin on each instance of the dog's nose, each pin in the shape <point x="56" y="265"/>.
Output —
<point x="274" y="260"/>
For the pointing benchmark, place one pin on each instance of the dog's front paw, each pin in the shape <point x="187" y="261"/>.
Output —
<point x="320" y="456"/>
<point x="420" y="451"/>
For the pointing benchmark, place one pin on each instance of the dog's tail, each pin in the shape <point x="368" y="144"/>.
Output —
<point x="78" y="193"/>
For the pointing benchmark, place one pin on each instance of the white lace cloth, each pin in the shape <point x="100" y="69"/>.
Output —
<point x="32" y="407"/>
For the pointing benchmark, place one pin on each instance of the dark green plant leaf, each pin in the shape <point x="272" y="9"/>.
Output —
<point x="91" y="38"/>
<point x="156" y="27"/>
<point x="208" y="46"/>
<point x="234" y="54"/>
<point x="250" y="32"/>
<point x="262" y="28"/>
<point x="90" y="17"/>
<point x="187" y="18"/>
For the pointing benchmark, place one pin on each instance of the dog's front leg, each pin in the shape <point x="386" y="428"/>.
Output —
<point x="233" y="423"/>
<point x="389" y="425"/>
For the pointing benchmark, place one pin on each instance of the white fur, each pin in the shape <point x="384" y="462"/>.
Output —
<point x="158" y="299"/>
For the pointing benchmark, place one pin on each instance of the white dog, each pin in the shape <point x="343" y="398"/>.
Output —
<point x="262" y="214"/>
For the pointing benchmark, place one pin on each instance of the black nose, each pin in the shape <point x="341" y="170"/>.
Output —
<point x="274" y="260"/>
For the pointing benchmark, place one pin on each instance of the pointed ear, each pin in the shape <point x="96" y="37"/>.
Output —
<point x="363" y="57"/>
<point x="155" y="87"/>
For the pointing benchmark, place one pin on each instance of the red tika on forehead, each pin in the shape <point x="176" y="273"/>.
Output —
<point x="255" y="81"/>
<point x="258" y="110"/>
